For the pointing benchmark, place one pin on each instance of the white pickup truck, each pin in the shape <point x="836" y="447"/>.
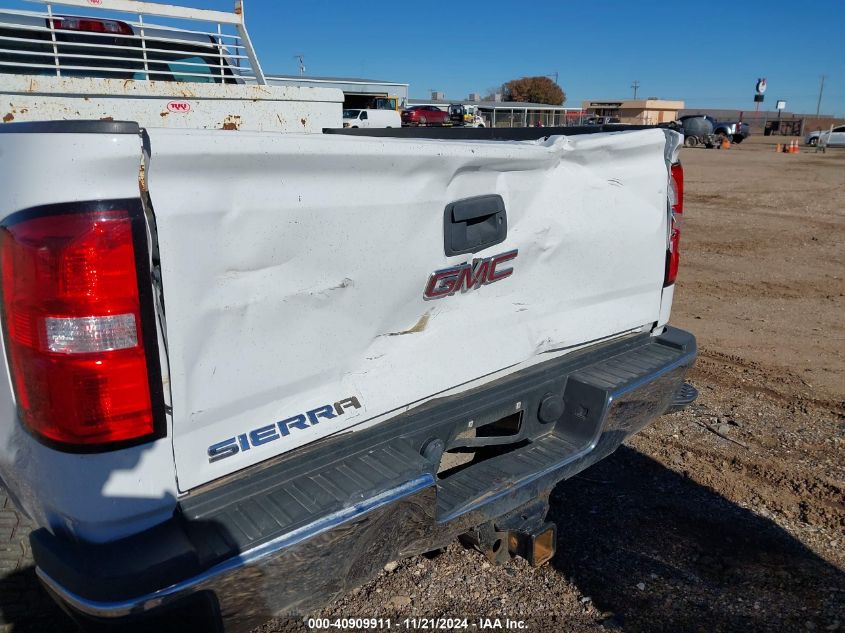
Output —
<point x="252" y="357"/>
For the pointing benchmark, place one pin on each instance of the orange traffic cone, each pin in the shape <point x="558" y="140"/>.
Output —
<point x="778" y="148"/>
<point x="726" y="144"/>
<point x="795" y="148"/>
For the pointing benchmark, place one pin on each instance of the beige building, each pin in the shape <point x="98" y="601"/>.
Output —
<point x="640" y="111"/>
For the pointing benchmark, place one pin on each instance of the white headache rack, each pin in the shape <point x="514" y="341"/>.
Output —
<point x="129" y="39"/>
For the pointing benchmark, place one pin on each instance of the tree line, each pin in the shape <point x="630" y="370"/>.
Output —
<point x="529" y="89"/>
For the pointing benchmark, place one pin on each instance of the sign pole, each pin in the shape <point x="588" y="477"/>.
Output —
<point x="781" y="106"/>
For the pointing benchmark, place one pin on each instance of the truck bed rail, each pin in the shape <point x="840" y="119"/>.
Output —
<point x="492" y="133"/>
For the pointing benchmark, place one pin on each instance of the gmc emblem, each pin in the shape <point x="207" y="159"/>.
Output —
<point x="464" y="277"/>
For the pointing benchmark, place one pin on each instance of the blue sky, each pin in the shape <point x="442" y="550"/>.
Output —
<point x="708" y="54"/>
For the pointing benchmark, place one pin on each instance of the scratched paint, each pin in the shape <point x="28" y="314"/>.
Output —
<point x="418" y="327"/>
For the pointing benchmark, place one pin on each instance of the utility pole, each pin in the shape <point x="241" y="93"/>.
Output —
<point x="301" y="58"/>
<point x="636" y="87"/>
<point x="821" y="91"/>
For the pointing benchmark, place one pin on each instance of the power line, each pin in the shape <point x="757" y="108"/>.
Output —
<point x="821" y="91"/>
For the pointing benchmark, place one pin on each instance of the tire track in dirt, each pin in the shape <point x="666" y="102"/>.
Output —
<point x="729" y="370"/>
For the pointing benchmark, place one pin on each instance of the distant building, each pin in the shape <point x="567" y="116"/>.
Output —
<point x="357" y="93"/>
<point x="514" y="113"/>
<point x="640" y="111"/>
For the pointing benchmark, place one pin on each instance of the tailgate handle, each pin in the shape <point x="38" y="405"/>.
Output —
<point x="473" y="224"/>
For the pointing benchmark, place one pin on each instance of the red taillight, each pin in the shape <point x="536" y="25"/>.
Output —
<point x="89" y="25"/>
<point x="676" y="201"/>
<point x="677" y="173"/>
<point x="72" y="314"/>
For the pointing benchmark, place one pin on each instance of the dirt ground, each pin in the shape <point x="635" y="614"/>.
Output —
<point x="728" y="516"/>
<point x="685" y="529"/>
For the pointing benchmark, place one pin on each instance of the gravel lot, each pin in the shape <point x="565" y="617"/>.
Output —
<point x="729" y="516"/>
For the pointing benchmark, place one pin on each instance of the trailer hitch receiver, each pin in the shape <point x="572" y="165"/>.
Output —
<point x="523" y="532"/>
<point x="536" y="546"/>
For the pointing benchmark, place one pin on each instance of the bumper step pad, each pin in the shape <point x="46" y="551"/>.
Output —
<point x="604" y="396"/>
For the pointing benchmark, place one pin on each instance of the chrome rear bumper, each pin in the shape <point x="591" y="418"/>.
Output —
<point x="610" y="393"/>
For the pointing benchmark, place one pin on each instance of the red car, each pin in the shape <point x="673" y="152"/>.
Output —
<point x="424" y="115"/>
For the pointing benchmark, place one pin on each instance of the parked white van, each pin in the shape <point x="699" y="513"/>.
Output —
<point x="371" y="118"/>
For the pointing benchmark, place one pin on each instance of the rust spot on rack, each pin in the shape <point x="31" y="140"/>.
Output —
<point x="232" y="122"/>
<point x="142" y="178"/>
<point x="9" y="117"/>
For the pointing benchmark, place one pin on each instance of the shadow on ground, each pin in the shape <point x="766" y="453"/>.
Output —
<point x="25" y="606"/>
<point x="657" y="552"/>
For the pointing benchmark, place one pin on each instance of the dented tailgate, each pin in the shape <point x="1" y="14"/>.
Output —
<point x="294" y="269"/>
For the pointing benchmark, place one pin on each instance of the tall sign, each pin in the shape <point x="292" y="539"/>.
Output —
<point x="760" y="89"/>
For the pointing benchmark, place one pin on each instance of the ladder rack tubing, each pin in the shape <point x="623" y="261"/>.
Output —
<point x="154" y="8"/>
<point x="254" y="64"/>
<point x="138" y="7"/>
